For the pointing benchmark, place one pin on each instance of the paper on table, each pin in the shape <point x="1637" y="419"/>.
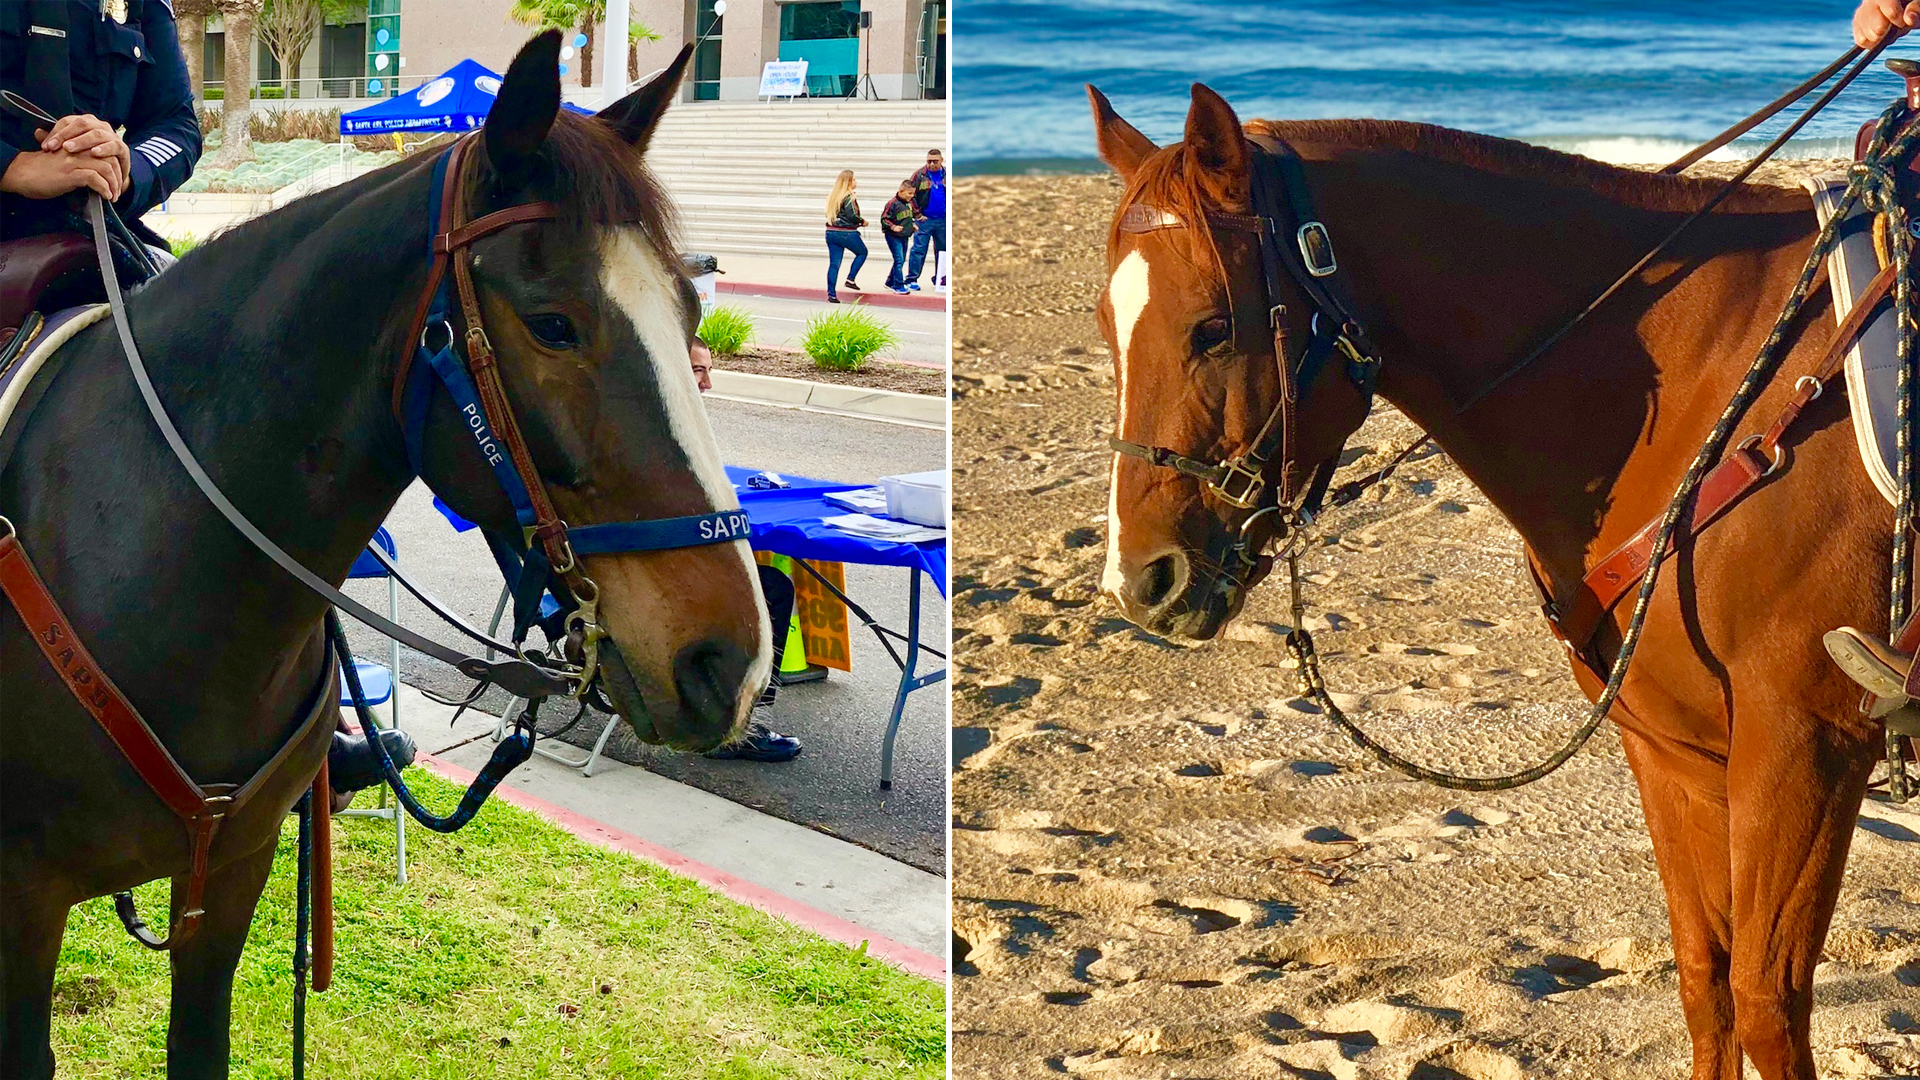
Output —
<point x="884" y="529"/>
<point x="871" y="500"/>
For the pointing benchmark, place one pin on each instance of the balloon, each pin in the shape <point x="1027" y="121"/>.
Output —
<point x="380" y="62"/>
<point x="566" y="53"/>
<point x="382" y="36"/>
<point x="579" y="41"/>
<point x="373" y="86"/>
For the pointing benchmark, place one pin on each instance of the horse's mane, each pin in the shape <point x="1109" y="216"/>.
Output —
<point x="1164" y="182"/>
<point x="1636" y="188"/>
<point x="584" y="165"/>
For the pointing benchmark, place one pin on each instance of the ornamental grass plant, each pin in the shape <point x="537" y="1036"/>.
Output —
<point x="846" y="340"/>
<point x="727" y="330"/>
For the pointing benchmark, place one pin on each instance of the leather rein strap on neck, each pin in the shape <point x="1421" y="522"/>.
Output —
<point x="1294" y="244"/>
<point x="201" y="808"/>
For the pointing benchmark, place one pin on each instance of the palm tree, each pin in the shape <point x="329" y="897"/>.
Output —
<point x="236" y="111"/>
<point x="582" y="15"/>
<point x="192" y="17"/>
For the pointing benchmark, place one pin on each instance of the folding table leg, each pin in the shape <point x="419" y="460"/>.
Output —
<point x="909" y="682"/>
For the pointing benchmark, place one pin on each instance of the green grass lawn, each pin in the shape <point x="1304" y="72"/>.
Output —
<point x="515" y="950"/>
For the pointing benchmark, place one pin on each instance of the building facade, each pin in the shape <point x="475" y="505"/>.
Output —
<point x="889" y="50"/>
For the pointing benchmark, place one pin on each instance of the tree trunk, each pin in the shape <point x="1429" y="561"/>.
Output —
<point x="236" y="111"/>
<point x="633" y="60"/>
<point x="586" y="51"/>
<point x="290" y="76"/>
<point x="193" y="38"/>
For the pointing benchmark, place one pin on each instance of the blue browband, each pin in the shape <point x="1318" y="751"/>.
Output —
<point x="439" y="365"/>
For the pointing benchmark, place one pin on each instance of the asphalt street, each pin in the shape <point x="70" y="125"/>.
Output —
<point x="834" y="785"/>
<point x="923" y="334"/>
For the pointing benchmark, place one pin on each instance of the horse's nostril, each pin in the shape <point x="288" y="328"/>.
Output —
<point x="1157" y="580"/>
<point x="709" y="675"/>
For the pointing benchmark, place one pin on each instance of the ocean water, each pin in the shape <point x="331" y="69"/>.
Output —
<point x="1628" y="81"/>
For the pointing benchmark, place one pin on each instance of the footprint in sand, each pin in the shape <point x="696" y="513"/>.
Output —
<point x="1558" y="973"/>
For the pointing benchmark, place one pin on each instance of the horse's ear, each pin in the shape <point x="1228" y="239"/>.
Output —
<point x="523" y="112"/>
<point x="635" y="115"/>
<point x="1214" y="137"/>
<point x="1121" y="144"/>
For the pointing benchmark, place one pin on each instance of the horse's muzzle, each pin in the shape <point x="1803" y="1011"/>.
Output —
<point x="1169" y="595"/>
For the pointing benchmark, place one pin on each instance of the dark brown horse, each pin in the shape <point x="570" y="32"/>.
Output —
<point x="1464" y="251"/>
<point x="275" y="348"/>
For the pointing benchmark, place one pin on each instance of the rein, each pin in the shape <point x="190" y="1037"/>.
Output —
<point x="1872" y="179"/>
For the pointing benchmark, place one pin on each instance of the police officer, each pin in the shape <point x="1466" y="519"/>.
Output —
<point x="100" y="67"/>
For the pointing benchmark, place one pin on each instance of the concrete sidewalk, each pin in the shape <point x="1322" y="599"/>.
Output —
<point x="836" y="889"/>
<point x="806" y="279"/>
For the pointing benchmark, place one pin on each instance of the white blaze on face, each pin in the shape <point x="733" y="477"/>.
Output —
<point x="643" y="287"/>
<point x="1128" y="294"/>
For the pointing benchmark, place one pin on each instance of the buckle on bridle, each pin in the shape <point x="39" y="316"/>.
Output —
<point x="1239" y="485"/>
<point x="1316" y="249"/>
<point x="585" y="633"/>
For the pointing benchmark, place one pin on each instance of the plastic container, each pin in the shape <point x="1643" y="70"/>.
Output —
<point x="918" y="497"/>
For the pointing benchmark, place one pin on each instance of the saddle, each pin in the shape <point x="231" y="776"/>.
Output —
<point x="53" y="268"/>
<point x="1873" y="363"/>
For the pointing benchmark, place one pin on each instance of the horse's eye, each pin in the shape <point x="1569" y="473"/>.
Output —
<point x="553" y="331"/>
<point x="1211" y="335"/>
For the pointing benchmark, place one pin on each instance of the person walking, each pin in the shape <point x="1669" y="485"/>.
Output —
<point x="896" y="224"/>
<point x="843" y="234"/>
<point x="930" y="215"/>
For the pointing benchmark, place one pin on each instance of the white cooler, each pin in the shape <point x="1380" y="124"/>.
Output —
<point x="918" y="497"/>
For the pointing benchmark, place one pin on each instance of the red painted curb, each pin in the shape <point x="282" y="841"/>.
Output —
<point x="921" y="301"/>
<point x="831" y="927"/>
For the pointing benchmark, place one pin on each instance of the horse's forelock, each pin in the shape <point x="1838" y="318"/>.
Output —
<point x="597" y="178"/>
<point x="1167" y="183"/>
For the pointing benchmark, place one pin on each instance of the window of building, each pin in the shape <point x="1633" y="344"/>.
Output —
<point x="827" y="36"/>
<point x="706" y="57"/>
<point x="213" y="58"/>
<point x="343" y="60"/>
<point x="383" y="48"/>
<point x="933" y="49"/>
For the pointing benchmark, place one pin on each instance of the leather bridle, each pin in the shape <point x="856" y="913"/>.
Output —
<point x="473" y="383"/>
<point x="1294" y="245"/>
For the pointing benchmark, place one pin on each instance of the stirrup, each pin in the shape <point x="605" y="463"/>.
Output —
<point x="1872" y="663"/>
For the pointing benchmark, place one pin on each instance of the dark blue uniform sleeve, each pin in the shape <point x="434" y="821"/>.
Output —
<point x="162" y="132"/>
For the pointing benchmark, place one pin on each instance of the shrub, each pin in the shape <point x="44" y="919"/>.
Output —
<point x="183" y="244"/>
<point x="727" y="329"/>
<point x="846" y="340"/>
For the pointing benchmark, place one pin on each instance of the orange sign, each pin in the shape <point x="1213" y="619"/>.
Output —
<point x="820" y="622"/>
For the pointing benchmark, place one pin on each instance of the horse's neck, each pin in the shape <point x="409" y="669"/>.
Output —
<point x="273" y="350"/>
<point x="1465" y="275"/>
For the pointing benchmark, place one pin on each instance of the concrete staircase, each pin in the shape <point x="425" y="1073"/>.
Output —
<point x="752" y="178"/>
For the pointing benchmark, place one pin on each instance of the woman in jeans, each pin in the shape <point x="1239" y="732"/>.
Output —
<point x="843" y="234"/>
<point x="896" y="224"/>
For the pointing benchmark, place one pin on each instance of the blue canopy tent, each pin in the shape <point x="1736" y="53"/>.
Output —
<point x="456" y="101"/>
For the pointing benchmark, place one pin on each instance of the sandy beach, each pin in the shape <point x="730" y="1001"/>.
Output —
<point x="1168" y="865"/>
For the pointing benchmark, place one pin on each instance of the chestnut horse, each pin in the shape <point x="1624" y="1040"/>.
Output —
<point x="1462" y="252"/>
<point x="275" y="348"/>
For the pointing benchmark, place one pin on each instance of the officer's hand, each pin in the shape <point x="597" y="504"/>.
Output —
<point x="41" y="175"/>
<point x="1875" y="18"/>
<point x="84" y="133"/>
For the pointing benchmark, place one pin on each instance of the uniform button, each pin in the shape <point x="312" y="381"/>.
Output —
<point x="136" y="52"/>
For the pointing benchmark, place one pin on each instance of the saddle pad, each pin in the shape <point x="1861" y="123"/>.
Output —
<point x="14" y="382"/>
<point x="1873" y="364"/>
